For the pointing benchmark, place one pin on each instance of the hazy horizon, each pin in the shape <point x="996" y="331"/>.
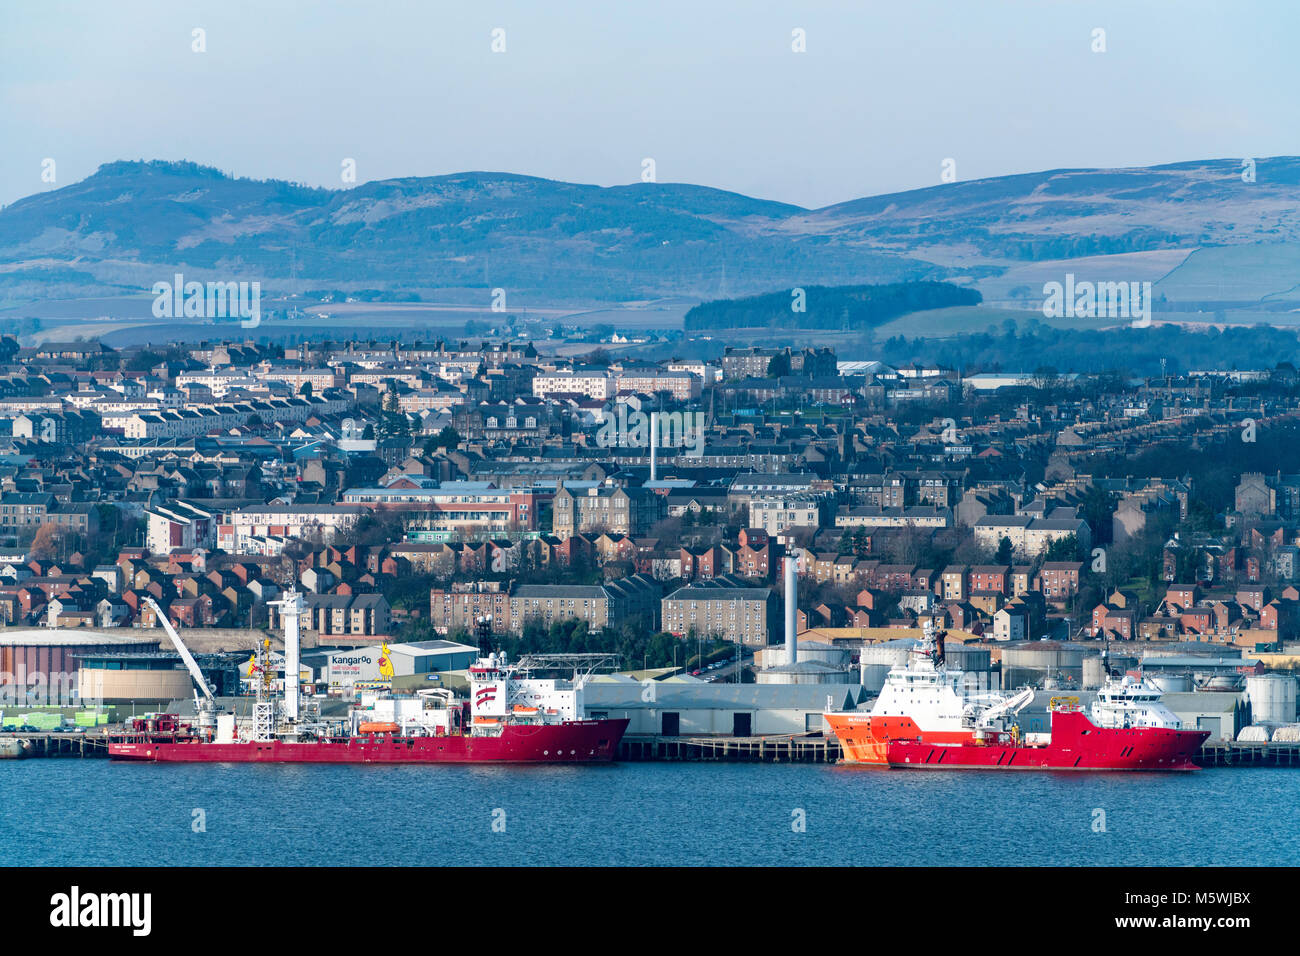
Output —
<point x="716" y="96"/>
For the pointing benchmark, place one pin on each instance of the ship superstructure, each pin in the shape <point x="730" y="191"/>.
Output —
<point x="924" y="696"/>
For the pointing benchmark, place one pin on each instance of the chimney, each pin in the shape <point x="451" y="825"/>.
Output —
<point x="291" y="607"/>
<point x="791" y="609"/>
<point x="654" y="441"/>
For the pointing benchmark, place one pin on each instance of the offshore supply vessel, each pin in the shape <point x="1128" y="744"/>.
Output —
<point x="1126" y="728"/>
<point x="510" y="717"/>
<point x="923" y="697"/>
<point x="926" y="718"/>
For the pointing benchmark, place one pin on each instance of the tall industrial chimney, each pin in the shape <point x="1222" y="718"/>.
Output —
<point x="291" y="607"/>
<point x="791" y="608"/>
<point x="654" y="441"/>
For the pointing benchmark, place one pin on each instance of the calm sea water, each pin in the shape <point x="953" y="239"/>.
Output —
<point x="97" y="812"/>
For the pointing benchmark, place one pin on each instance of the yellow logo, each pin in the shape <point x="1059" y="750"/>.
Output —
<point x="385" y="662"/>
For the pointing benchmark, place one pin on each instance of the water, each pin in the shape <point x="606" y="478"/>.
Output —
<point x="97" y="812"/>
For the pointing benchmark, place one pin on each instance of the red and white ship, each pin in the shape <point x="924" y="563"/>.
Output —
<point x="511" y="717"/>
<point x="923" y="697"/>
<point x="1126" y="728"/>
<point x="927" y="717"/>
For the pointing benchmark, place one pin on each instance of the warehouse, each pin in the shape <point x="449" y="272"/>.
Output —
<point x="687" y="708"/>
<point x="425" y="657"/>
<point x="39" y="665"/>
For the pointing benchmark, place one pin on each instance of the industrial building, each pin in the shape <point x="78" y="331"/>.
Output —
<point x="40" y="665"/>
<point x="427" y="657"/>
<point x="682" y="708"/>
<point x="151" y="677"/>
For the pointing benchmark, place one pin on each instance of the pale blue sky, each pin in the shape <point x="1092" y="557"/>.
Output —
<point x="709" y="88"/>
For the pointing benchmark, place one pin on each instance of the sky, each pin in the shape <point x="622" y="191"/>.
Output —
<point x="586" y="90"/>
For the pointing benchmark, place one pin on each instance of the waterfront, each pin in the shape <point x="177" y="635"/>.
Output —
<point x="98" y="812"/>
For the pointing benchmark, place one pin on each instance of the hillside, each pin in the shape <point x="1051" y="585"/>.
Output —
<point x="834" y="308"/>
<point x="451" y="238"/>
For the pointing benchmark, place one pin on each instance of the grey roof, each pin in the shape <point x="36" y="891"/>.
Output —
<point x="705" y="696"/>
<point x="559" y="591"/>
<point x="696" y="593"/>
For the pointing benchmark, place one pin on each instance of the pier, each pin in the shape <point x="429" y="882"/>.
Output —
<point x="773" y="749"/>
<point x="37" y="744"/>
<point x="1250" y="754"/>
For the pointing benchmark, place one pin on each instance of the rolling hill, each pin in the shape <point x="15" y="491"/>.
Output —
<point x="452" y="238"/>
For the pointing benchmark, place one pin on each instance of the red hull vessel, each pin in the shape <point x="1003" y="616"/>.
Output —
<point x="1076" y="744"/>
<point x="578" y="741"/>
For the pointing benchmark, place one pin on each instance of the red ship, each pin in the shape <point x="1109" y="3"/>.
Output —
<point x="579" y="741"/>
<point x="511" y="717"/>
<point x="1129" y="729"/>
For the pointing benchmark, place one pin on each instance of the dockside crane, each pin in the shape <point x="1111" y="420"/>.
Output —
<point x="207" y="707"/>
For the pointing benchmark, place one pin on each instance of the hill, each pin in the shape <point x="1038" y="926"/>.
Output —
<point x="1195" y="229"/>
<point x="828" y="308"/>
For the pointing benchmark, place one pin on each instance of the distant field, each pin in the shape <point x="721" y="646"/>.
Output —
<point x="963" y="320"/>
<point x="129" y="320"/>
<point x="1250" y="273"/>
<point x="1027" y="279"/>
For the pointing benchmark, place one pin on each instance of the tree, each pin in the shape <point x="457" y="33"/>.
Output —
<point x="1004" y="550"/>
<point x="447" y="438"/>
<point x="45" y="541"/>
<point x="1063" y="549"/>
<point x="393" y="422"/>
<point x="305" y="391"/>
<point x="779" y="365"/>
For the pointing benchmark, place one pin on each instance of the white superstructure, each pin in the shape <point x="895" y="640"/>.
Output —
<point x="937" y="698"/>
<point x="1131" y="702"/>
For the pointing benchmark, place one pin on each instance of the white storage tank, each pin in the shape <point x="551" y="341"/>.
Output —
<point x="1254" y="734"/>
<point x="1171" y="683"/>
<point x="877" y="660"/>
<point x="967" y="657"/>
<point x="1094" y="672"/>
<point x="1287" y="734"/>
<point x="807" y="650"/>
<point x="1272" y="698"/>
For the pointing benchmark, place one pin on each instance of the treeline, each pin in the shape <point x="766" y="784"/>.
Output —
<point x="1030" y="345"/>
<point x="836" y="308"/>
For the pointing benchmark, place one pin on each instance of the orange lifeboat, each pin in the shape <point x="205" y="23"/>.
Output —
<point x="379" y="727"/>
<point x="521" y="709"/>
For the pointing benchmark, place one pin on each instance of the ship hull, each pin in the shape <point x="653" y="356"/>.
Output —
<point x="1076" y="744"/>
<point x="865" y="739"/>
<point x="578" y="741"/>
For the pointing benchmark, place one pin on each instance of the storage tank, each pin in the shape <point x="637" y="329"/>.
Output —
<point x="968" y="657"/>
<point x="1287" y="733"/>
<point x="818" y="651"/>
<point x="806" y="672"/>
<point x="1254" y="734"/>
<point x="877" y="660"/>
<point x="1094" y="672"/>
<point x="1272" y="698"/>
<point x="1171" y="683"/>
<point x="1031" y="662"/>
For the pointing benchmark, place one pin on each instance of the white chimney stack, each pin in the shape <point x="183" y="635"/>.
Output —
<point x="791" y="608"/>
<point x="290" y="609"/>
<point x="654" y="441"/>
